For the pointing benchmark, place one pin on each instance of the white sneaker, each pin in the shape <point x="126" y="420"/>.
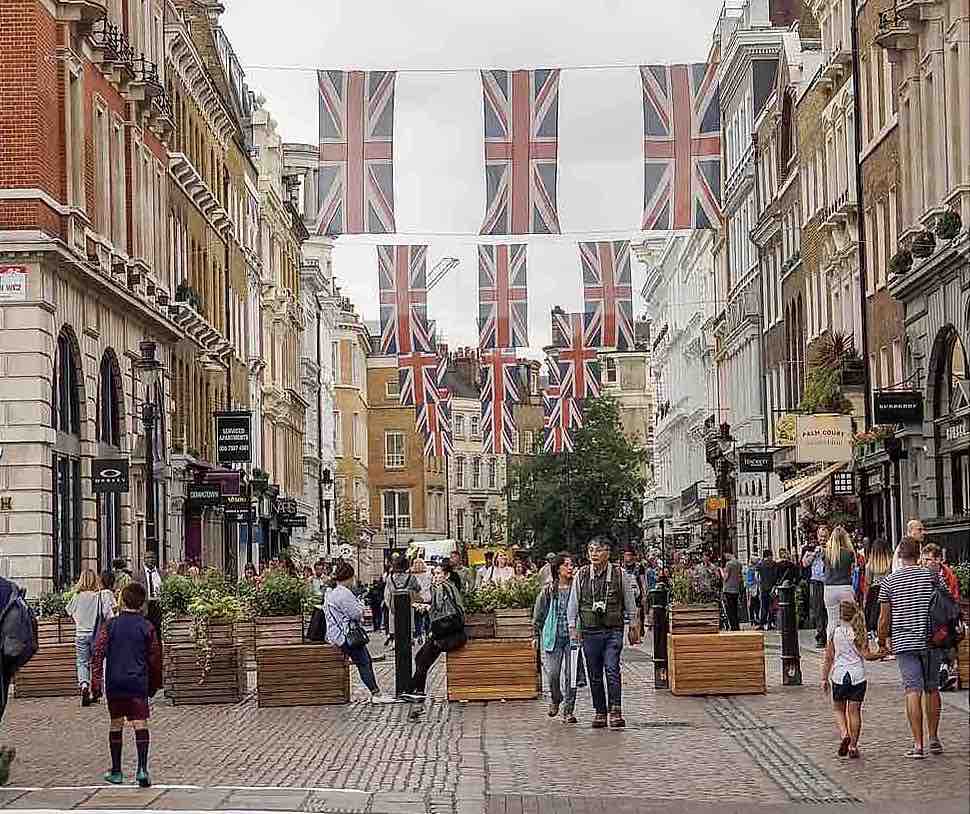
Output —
<point x="382" y="699"/>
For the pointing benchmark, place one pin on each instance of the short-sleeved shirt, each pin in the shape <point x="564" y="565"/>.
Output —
<point x="732" y="576"/>
<point x="909" y="590"/>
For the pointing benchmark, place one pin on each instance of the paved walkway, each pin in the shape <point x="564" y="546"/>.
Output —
<point x="757" y="754"/>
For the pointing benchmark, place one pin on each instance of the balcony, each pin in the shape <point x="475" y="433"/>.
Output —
<point x="916" y="9"/>
<point x="145" y="85"/>
<point x="161" y="116"/>
<point x="186" y="314"/>
<point x="113" y="52"/>
<point x="192" y="184"/>
<point x="894" y="32"/>
<point x="81" y="11"/>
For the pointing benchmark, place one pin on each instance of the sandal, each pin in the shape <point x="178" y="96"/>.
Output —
<point x="844" y="746"/>
<point x="853" y="752"/>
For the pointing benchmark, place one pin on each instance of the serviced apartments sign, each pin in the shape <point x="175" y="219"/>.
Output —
<point x="234" y="437"/>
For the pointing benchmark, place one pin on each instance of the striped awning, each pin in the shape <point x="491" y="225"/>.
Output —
<point x="801" y="488"/>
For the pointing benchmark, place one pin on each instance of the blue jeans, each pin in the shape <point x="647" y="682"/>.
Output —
<point x="84" y="652"/>
<point x="557" y="666"/>
<point x="602" y="649"/>
<point x="361" y="657"/>
<point x="765" y="600"/>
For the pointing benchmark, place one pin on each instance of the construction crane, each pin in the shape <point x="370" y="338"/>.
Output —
<point x="440" y="271"/>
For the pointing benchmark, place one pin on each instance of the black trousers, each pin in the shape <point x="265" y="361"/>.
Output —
<point x="731" y="609"/>
<point x="821" y="615"/>
<point x="424" y="660"/>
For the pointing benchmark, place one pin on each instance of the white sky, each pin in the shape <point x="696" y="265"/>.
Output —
<point x="438" y="148"/>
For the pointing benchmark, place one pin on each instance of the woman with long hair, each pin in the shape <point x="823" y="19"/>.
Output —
<point x="844" y="668"/>
<point x="879" y="562"/>
<point x="840" y="559"/>
<point x="92" y="605"/>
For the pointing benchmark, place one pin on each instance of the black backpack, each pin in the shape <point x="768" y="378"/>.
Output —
<point x="18" y="634"/>
<point x="446" y="615"/>
<point x="944" y="628"/>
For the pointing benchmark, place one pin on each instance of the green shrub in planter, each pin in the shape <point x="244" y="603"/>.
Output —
<point x="516" y="593"/>
<point x="948" y="225"/>
<point x="278" y="594"/>
<point x="177" y="593"/>
<point x="901" y="263"/>
<point x="53" y="604"/>
<point x="962" y="571"/>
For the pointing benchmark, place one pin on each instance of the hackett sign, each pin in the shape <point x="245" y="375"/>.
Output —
<point x="233" y="437"/>
<point x="756" y="462"/>
<point x="898" y="407"/>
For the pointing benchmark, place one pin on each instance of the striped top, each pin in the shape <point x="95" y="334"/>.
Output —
<point x="909" y="590"/>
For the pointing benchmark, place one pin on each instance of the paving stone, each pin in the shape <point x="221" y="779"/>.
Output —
<point x="125" y="798"/>
<point x="190" y="799"/>
<point x="338" y="801"/>
<point x="56" y="799"/>
<point x="8" y="796"/>
<point x="265" y="800"/>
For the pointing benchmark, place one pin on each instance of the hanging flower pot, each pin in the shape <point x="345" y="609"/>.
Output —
<point x="948" y="225"/>
<point x="924" y="244"/>
<point x="901" y="262"/>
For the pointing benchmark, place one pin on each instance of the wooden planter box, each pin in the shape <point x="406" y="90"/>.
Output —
<point x="244" y="634"/>
<point x="688" y="619"/>
<point x="729" y="663"/>
<point x="492" y="670"/>
<point x="963" y="662"/>
<point x="188" y="685"/>
<point x="52" y="672"/>
<point x="55" y="630"/>
<point x="513" y="623"/>
<point x="480" y="626"/>
<point x="301" y="675"/>
<point x="273" y="631"/>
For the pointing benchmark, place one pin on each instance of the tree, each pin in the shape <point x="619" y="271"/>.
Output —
<point x="348" y="523"/>
<point x="561" y="501"/>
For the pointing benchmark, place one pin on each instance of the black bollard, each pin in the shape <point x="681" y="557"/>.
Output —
<point x="658" y="602"/>
<point x="791" y="663"/>
<point x="402" y="642"/>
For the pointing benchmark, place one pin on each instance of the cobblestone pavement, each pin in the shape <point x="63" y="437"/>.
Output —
<point x="767" y="754"/>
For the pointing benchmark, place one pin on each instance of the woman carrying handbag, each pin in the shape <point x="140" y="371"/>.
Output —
<point x="92" y="605"/>
<point x="345" y="629"/>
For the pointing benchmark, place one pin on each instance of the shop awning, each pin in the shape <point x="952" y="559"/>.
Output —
<point x="803" y="487"/>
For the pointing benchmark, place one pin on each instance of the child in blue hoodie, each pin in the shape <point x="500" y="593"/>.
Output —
<point x="134" y="674"/>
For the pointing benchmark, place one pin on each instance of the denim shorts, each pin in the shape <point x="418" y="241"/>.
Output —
<point x="920" y="669"/>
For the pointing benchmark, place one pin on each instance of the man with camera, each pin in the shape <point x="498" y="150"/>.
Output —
<point x="602" y="593"/>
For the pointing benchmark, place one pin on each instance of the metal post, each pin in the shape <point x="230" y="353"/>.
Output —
<point x="658" y="602"/>
<point x="791" y="663"/>
<point x="151" y="531"/>
<point x="249" y="523"/>
<point x="402" y="642"/>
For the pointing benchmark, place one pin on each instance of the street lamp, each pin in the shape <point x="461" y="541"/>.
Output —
<point x="151" y="374"/>
<point x="326" y="483"/>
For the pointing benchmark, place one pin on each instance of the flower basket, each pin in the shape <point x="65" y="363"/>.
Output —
<point x="273" y="631"/>
<point x="480" y="625"/>
<point x="924" y="244"/>
<point x="51" y="673"/>
<point x="513" y="623"/>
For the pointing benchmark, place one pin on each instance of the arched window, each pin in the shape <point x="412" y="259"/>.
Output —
<point x="952" y="375"/>
<point x="787" y="143"/>
<point x="109" y="425"/>
<point x="67" y="400"/>
<point x="109" y="401"/>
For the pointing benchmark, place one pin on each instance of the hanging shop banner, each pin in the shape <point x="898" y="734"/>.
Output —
<point x="898" y="407"/>
<point x="109" y="475"/>
<point x="785" y="429"/>
<point x="689" y="497"/>
<point x="234" y="437"/>
<point x="756" y="461"/>
<point x="293" y="521"/>
<point x="202" y="495"/>
<point x="238" y="508"/>
<point x="286" y="507"/>
<point x="823" y="438"/>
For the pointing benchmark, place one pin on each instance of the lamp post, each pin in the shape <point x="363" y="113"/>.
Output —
<point x="326" y="490"/>
<point x="151" y="372"/>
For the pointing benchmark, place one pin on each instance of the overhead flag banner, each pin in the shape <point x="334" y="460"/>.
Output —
<point x="608" y="293"/>
<point x="579" y="368"/>
<point x="499" y="391"/>
<point x="433" y="418"/>
<point x="417" y="377"/>
<point x="402" y="280"/>
<point x="503" y="309"/>
<point x="561" y="415"/>
<point x="521" y="151"/>
<point x="356" y="173"/>
<point x="681" y="146"/>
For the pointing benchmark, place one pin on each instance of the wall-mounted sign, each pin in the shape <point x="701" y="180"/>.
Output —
<point x="843" y="483"/>
<point x="689" y="497"/>
<point x="713" y="504"/>
<point x="237" y="508"/>
<point x="202" y="495"/>
<point x="109" y="475"/>
<point x="234" y="437"/>
<point x="293" y="521"/>
<point x="825" y="438"/>
<point x="286" y="507"/>
<point x="13" y="283"/>
<point x="756" y="461"/>
<point x="785" y="429"/>
<point x="898" y="407"/>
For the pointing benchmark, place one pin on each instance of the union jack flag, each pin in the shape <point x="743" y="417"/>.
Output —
<point x="417" y="375"/>
<point x="402" y="280"/>
<point x="434" y="417"/>
<point x="356" y="174"/>
<point x="681" y="146"/>
<point x="608" y="293"/>
<point x="499" y="391"/>
<point x="560" y="415"/>
<point x="579" y="369"/>
<point x="521" y="146"/>
<point x="503" y="308"/>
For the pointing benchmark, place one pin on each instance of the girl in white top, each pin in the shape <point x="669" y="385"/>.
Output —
<point x="845" y="667"/>
<point x="500" y="573"/>
<point x="92" y="604"/>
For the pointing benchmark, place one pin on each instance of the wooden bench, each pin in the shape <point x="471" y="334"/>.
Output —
<point x="492" y="670"/>
<point x="727" y="663"/>
<point x="296" y="675"/>
<point x="52" y="672"/>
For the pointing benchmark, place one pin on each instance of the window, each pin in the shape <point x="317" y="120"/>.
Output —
<point x="491" y="473"/>
<point x="109" y="407"/>
<point x="102" y="170"/>
<point x="528" y="442"/>
<point x="396" y="509"/>
<point x="335" y="361"/>
<point x="392" y="388"/>
<point x="475" y="432"/>
<point x="459" y="425"/>
<point x="75" y="138"/>
<point x="338" y="434"/>
<point x="460" y="473"/>
<point x="394" y="450"/>
<point x="356" y="436"/>
<point x="460" y="525"/>
<point x="66" y="398"/>
<point x="611" y="371"/>
<point x="476" y="473"/>
<point x="355" y="366"/>
<point x="477" y="518"/>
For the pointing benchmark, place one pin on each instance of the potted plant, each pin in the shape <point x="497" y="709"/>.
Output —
<point x="178" y="591"/>
<point x="924" y="244"/>
<point x="948" y="225"/>
<point x="276" y="606"/>
<point x="54" y="626"/>
<point x="52" y="672"/>
<point x="962" y="571"/>
<point x="901" y="263"/>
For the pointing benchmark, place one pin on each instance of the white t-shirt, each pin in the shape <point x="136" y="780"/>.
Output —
<point x="848" y="659"/>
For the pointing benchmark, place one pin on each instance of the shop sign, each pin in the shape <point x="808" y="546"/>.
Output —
<point x="109" y="476"/>
<point x="843" y="483"/>
<point x="713" y="504"/>
<point x="286" y="507"/>
<point x="233" y="437"/>
<point x="823" y="438"/>
<point x="689" y="497"/>
<point x="202" y="495"/>
<point x="13" y="283"/>
<point x="293" y="521"/>
<point x="785" y="429"/>
<point x="237" y="508"/>
<point x="898" y="407"/>
<point x="756" y="461"/>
